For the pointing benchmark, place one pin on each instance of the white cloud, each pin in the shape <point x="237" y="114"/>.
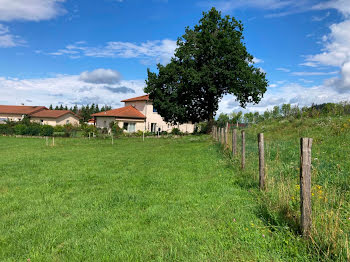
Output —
<point x="342" y="6"/>
<point x="286" y="70"/>
<point x="159" y="50"/>
<point x="30" y="10"/>
<point x="314" y="73"/>
<point x="257" y="60"/>
<point x="229" y="5"/>
<point x="292" y="93"/>
<point x="66" y="89"/>
<point x="101" y="76"/>
<point x="7" y="39"/>
<point x="336" y="47"/>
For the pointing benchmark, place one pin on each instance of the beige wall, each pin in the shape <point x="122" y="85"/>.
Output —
<point x="104" y="121"/>
<point x="57" y="121"/>
<point x="146" y="108"/>
<point x="11" y="117"/>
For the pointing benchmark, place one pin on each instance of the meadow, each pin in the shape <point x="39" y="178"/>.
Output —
<point x="330" y="178"/>
<point x="167" y="199"/>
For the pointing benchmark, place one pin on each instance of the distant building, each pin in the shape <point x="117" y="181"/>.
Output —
<point x="17" y="113"/>
<point x="138" y="114"/>
<point x="38" y="114"/>
<point x="55" y="117"/>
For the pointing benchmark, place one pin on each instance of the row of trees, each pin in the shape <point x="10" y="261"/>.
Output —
<point x="84" y="112"/>
<point x="285" y="111"/>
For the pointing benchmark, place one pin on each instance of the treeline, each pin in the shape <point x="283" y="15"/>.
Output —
<point x="285" y="111"/>
<point x="84" y="112"/>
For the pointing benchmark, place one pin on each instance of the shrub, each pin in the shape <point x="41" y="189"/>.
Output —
<point x="176" y="131"/>
<point x="87" y="129"/>
<point x="202" y="128"/>
<point x="20" y="129"/>
<point x="6" y="129"/>
<point x="116" y="129"/>
<point x="58" y="128"/>
<point x="46" y="130"/>
<point x="70" y="130"/>
<point x="33" y="129"/>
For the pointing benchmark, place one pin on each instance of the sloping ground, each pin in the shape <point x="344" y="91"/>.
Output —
<point x="330" y="178"/>
<point x="162" y="199"/>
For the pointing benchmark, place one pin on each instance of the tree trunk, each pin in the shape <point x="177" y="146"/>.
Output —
<point x="210" y="122"/>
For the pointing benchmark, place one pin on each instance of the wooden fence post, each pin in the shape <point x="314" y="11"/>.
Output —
<point x="218" y="133"/>
<point x="243" y="149"/>
<point x="53" y="141"/>
<point x="234" y="141"/>
<point x="222" y="135"/>
<point x="143" y="135"/>
<point x="261" y="161"/>
<point x="226" y="135"/>
<point x="305" y="185"/>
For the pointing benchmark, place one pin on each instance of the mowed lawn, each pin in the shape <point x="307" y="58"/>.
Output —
<point x="162" y="200"/>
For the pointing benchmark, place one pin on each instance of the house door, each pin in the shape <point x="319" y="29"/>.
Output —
<point x="153" y="127"/>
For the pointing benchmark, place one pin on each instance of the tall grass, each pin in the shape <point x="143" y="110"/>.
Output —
<point x="330" y="178"/>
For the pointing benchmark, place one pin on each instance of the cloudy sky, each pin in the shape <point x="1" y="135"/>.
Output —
<point x="84" y="51"/>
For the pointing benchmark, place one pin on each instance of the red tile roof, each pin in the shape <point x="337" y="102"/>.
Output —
<point x="21" y="110"/>
<point x="52" y="113"/>
<point x="139" y="98"/>
<point x="123" y="112"/>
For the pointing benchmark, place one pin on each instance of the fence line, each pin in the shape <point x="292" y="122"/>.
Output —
<point x="222" y="136"/>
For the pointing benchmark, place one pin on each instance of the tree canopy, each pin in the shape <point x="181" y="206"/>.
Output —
<point x="210" y="61"/>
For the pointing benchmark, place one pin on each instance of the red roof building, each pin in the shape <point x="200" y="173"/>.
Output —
<point x="138" y="114"/>
<point x="138" y="98"/>
<point x="123" y="112"/>
<point x="20" y="110"/>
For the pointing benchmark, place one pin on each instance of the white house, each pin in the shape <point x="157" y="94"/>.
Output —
<point x="138" y="114"/>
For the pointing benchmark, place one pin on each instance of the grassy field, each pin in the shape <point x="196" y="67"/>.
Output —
<point x="330" y="178"/>
<point x="159" y="200"/>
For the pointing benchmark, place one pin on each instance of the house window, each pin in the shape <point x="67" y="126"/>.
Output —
<point x="67" y="121"/>
<point x="41" y="121"/>
<point x="129" y="127"/>
<point x="154" y="110"/>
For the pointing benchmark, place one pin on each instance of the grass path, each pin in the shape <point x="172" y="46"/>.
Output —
<point x="160" y="200"/>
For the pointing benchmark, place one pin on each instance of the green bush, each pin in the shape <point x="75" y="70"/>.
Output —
<point x="20" y="129"/>
<point x="59" y="128"/>
<point x="46" y="130"/>
<point x="176" y="131"/>
<point x="87" y="129"/>
<point x="203" y="128"/>
<point x="116" y="130"/>
<point x="33" y="129"/>
<point x="6" y="129"/>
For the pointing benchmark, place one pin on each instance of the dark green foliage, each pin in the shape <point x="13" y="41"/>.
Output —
<point x="20" y="129"/>
<point x="33" y="129"/>
<point x="116" y="130"/>
<point x="46" y="130"/>
<point x="88" y="129"/>
<point x="210" y="61"/>
<point x="176" y="131"/>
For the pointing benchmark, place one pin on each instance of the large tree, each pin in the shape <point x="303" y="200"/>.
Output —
<point x="210" y="61"/>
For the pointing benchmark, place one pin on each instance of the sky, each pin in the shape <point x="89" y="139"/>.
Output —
<point x="98" y="51"/>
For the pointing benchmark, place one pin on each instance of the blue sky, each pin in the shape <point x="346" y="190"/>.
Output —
<point x="78" y="52"/>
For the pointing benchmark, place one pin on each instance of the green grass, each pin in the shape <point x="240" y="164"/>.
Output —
<point x="159" y="200"/>
<point x="330" y="178"/>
